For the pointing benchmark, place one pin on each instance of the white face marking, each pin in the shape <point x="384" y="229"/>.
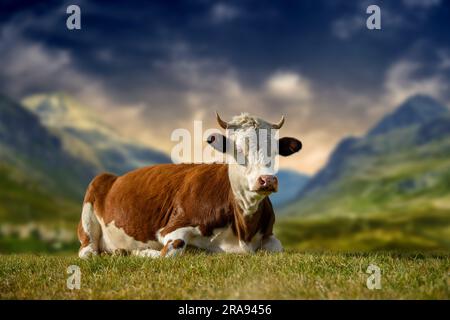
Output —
<point x="255" y="150"/>
<point x="255" y="154"/>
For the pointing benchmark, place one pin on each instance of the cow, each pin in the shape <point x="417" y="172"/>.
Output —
<point x="156" y="211"/>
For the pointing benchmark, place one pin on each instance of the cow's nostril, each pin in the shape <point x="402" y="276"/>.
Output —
<point x="262" y="181"/>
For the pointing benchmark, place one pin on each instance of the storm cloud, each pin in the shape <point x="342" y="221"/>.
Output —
<point x="152" y="67"/>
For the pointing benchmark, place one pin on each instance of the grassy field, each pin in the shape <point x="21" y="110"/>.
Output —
<point x="290" y="275"/>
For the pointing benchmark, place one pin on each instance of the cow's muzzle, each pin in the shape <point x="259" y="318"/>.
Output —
<point x="266" y="184"/>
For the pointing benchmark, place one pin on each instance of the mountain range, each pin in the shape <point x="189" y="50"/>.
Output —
<point x="396" y="177"/>
<point x="37" y="177"/>
<point x="419" y="121"/>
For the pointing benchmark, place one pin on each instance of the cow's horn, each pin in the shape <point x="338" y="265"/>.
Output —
<point x="222" y="123"/>
<point x="279" y="124"/>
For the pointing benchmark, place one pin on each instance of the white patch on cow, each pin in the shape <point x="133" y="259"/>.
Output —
<point x="272" y="244"/>
<point x="114" y="238"/>
<point x="185" y="234"/>
<point x="222" y="240"/>
<point x="173" y="252"/>
<point x="86" y="214"/>
<point x="87" y="252"/>
<point x="226" y="241"/>
<point x="92" y="228"/>
<point x="90" y="224"/>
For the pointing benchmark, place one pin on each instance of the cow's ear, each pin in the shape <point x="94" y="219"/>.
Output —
<point x="288" y="146"/>
<point x="218" y="142"/>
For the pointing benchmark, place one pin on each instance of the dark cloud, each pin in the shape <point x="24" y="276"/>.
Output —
<point x="173" y="61"/>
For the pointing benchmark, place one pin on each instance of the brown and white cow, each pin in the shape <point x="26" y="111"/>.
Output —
<point x="158" y="210"/>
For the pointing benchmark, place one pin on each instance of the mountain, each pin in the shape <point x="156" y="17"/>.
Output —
<point x="84" y="135"/>
<point x="406" y="156"/>
<point x="417" y="110"/>
<point x="387" y="189"/>
<point x="37" y="177"/>
<point x="29" y="146"/>
<point x="291" y="184"/>
<point x="417" y="122"/>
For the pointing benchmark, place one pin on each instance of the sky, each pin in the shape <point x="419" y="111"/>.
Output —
<point x="150" y="67"/>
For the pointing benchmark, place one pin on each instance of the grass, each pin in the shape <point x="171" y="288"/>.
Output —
<point x="197" y="275"/>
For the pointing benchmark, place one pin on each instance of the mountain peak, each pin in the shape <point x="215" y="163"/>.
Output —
<point x="62" y="111"/>
<point x="82" y="131"/>
<point x="416" y="110"/>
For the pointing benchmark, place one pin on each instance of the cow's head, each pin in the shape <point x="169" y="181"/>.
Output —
<point x="252" y="146"/>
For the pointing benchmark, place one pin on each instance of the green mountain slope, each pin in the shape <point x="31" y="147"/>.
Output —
<point x="39" y="181"/>
<point x="31" y="149"/>
<point x="401" y="174"/>
<point x="24" y="200"/>
<point x="390" y="188"/>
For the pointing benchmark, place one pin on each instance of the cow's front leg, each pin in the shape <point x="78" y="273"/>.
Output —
<point x="175" y="241"/>
<point x="173" y="248"/>
<point x="272" y="244"/>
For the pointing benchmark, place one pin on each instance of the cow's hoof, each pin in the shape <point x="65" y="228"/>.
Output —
<point x="87" y="252"/>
